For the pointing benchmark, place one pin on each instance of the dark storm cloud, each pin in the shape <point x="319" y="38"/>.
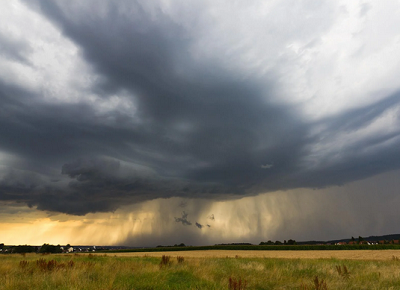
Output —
<point x="198" y="130"/>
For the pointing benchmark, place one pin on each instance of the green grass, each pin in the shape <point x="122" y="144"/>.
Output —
<point x="109" y="272"/>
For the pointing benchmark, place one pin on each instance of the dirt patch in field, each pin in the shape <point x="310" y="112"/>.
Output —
<point x="313" y="254"/>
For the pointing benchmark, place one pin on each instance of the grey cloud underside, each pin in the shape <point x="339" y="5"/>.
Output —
<point x="199" y="130"/>
<point x="14" y="49"/>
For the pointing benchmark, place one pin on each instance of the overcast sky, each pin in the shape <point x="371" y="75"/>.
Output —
<point x="203" y="120"/>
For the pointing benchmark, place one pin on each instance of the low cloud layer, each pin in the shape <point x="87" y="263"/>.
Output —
<point x="337" y="212"/>
<point x="137" y="101"/>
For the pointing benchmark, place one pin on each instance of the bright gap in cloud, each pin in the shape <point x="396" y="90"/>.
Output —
<point x="351" y="65"/>
<point x="54" y="68"/>
<point x="373" y="138"/>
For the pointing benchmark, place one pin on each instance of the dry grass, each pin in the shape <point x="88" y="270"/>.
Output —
<point x="325" y="254"/>
<point x="200" y="270"/>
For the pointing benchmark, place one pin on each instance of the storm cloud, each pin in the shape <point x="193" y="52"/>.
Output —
<point x="158" y="102"/>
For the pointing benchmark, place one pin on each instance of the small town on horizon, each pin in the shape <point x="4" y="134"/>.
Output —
<point x="392" y="239"/>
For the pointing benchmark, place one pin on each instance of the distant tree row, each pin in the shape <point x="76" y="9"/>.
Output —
<point x="360" y="239"/>
<point x="24" y="249"/>
<point x="176" y="245"/>
<point x="46" y="248"/>
<point x="234" y="244"/>
<point x="289" y="242"/>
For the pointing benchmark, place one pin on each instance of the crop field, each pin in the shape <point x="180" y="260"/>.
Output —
<point x="231" y="270"/>
<point x="322" y="254"/>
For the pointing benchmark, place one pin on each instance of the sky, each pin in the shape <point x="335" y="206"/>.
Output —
<point x="145" y="123"/>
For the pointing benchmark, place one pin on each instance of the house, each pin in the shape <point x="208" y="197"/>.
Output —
<point x="67" y="249"/>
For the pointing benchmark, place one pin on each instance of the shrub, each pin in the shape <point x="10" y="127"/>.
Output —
<point x="165" y="261"/>
<point x="320" y="285"/>
<point x="46" y="266"/>
<point x="23" y="264"/>
<point x="343" y="271"/>
<point x="237" y="284"/>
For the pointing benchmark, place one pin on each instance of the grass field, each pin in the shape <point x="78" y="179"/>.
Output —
<point x="204" y="270"/>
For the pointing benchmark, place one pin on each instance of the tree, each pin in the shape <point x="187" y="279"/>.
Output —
<point x="267" y="243"/>
<point x="46" y="248"/>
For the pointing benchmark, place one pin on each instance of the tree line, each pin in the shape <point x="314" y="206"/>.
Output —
<point x="277" y="243"/>
<point x="45" y="248"/>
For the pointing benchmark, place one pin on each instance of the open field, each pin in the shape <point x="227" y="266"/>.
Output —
<point x="209" y="270"/>
<point x="325" y="254"/>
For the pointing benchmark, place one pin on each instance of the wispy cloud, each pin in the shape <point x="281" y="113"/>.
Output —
<point x="200" y="226"/>
<point x="267" y="166"/>
<point x="184" y="220"/>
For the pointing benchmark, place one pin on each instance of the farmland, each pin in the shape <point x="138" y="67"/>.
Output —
<point x="285" y="254"/>
<point x="204" y="270"/>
